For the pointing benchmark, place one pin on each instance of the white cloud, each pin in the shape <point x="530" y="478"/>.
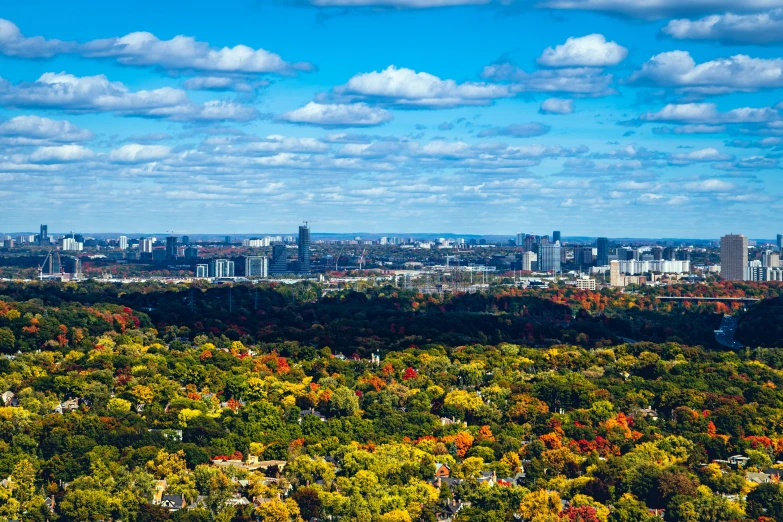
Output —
<point x="523" y="130"/>
<point x="407" y="88"/>
<point x="97" y="94"/>
<point x="709" y="185"/>
<point x="136" y="153"/>
<point x="38" y="128"/>
<point x="691" y="129"/>
<point x="729" y="28"/>
<point x="221" y="83"/>
<point x="701" y="155"/>
<point x="656" y="9"/>
<point x="723" y="75"/>
<point x="61" y="154"/>
<point x="337" y="115"/>
<point x="557" y="106"/>
<point x="14" y="43"/>
<point x="588" y="51"/>
<point x="707" y="113"/>
<point x="579" y="81"/>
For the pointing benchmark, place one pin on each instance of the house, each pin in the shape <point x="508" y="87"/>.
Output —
<point x="67" y="406"/>
<point x="738" y="460"/>
<point x="442" y="470"/>
<point x="757" y="478"/>
<point x="775" y="474"/>
<point x="49" y="504"/>
<point x="160" y="488"/>
<point x="649" y="412"/>
<point x="313" y="412"/>
<point x="238" y="500"/>
<point x="450" y="510"/>
<point x="173" y="502"/>
<point x="9" y="399"/>
<point x="488" y="477"/>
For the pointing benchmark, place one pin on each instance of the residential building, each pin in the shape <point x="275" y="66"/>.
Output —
<point x="69" y="243"/>
<point x="171" y="248"/>
<point x="202" y="271"/>
<point x="529" y="261"/>
<point x="122" y="242"/>
<point x="549" y="257"/>
<point x="520" y="239"/>
<point x="555" y="236"/>
<point x="191" y="252"/>
<point x="43" y="237"/>
<point x="145" y="245"/>
<point x="221" y="268"/>
<point x="733" y="257"/>
<point x="770" y="259"/>
<point x="256" y="266"/>
<point x="585" y="283"/>
<point x="780" y="241"/>
<point x="615" y="278"/>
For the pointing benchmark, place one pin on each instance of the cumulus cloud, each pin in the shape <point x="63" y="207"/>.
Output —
<point x="723" y="75"/>
<point x="729" y="28"/>
<point x="14" y="43"/>
<point x="577" y="81"/>
<point x="38" y="128"/>
<point x="557" y="106"/>
<point x="136" y="153"/>
<point x="525" y="130"/>
<point x="690" y="129"/>
<point x="222" y="83"/>
<point x="97" y="94"/>
<point x="696" y="156"/>
<point x="709" y="185"/>
<point x="61" y="154"/>
<point x="708" y="114"/>
<point x="407" y="88"/>
<point x="337" y="115"/>
<point x="588" y="51"/>
<point x="656" y="9"/>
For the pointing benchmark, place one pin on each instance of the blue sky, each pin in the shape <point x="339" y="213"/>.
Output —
<point x="660" y="118"/>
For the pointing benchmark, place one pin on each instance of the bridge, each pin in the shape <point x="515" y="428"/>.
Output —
<point x="745" y="300"/>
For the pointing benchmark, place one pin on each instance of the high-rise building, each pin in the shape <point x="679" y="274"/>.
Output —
<point x="531" y="243"/>
<point x="602" y="257"/>
<point x="122" y="242"/>
<point x="780" y="241"/>
<point x="549" y="257"/>
<point x="72" y="266"/>
<point x="171" y="248"/>
<point x="221" y="268"/>
<point x="770" y="259"/>
<point x="555" y="236"/>
<point x="43" y="237"/>
<point x="303" y="251"/>
<point x="615" y="279"/>
<point x="583" y="255"/>
<point x="145" y="245"/>
<point x="520" y="239"/>
<point x="256" y="266"/>
<point x="279" y="263"/>
<point x="657" y="253"/>
<point x="185" y="240"/>
<point x="227" y="240"/>
<point x="202" y="271"/>
<point x="69" y="243"/>
<point x="191" y="253"/>
<point x="734" y="257"/>
<point x="529" y="260"/>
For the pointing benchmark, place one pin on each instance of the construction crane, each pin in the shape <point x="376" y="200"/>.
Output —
<point x="337" y="259"/>
<point x="361" y="259"/>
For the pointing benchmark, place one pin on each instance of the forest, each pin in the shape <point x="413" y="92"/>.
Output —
<point x="154" y="402"/>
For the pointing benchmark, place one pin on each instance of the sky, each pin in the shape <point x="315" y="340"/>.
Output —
<point x="653" y="118"/>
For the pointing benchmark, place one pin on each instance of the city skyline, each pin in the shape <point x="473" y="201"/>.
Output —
<point x="604" y="119"/>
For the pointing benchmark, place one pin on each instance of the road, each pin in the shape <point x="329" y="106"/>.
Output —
<point x="725" y="336"/>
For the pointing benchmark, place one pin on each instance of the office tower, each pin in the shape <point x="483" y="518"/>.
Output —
<point x="780" y="241"/>
<point x="555" y="236"/>
<point x="122" y="242"/>
<point x="615" y="279"/>
<point x="549" y="257"/>
<point x="72" y="266"/>
<point x="256" y="266"/>
<point x="583" y="255"/>
<point x="303" y="250"/>
<point x="733" y="257"/>
<point x="191" y="253"/>
<point x="682" y="254"/>
<point x="602" y="258"/>
<point x="227" y="240"/>
<point x="657" y="253"/>
<point x="529" y="261"/>
<point x="43" y="237"/>
<point x="221" y="268"/>
<point x="185" y="240"/>
<point x="279" y="263"/>
<point x="520" y="239"/>
<point x="531" y="243"/>
<point x="171" y="248"/>
<point x="668" y="254"/>
<point x="145" y="245"/>
<point x="202" y="271"/>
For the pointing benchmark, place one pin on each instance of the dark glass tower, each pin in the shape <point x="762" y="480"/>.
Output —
<point x="602" y="257"/>
<point x="303" y="254"/>
<point x="279" y="263"/>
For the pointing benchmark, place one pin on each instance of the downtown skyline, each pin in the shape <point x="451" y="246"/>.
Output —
<point x="477" y="117"/>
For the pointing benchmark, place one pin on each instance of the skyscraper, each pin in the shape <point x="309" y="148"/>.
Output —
<point x="221" y="268"/>
<point x="43" y="237"/>
<point x="279" y="263"/>
<point x="780" y="241"/>
<point x="520" y="240"/>
<point x="602" y="256"/>
<point x="734" y="257"/>
<point x="303" y="253"/>
<point x="122" y="242"/>
<point x="171" y="248"/>
<point x="615" y="279"/>
<point x="145" y="245"/>
<point x="549" y="257"/>
<point x="555" y="236"/>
